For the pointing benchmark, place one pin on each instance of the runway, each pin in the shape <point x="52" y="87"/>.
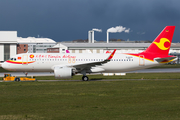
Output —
<point x="99" y="80"/>
<point x="166" y="70"/>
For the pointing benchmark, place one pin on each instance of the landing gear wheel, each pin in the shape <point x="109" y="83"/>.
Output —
<point x="17" y="79"/>
<point x="85" y="78"/>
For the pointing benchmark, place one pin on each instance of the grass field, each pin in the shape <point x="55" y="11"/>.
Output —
<point x="97" y="100"/>
<point x="152" y="99"/>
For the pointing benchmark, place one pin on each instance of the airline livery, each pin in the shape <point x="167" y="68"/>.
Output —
<point x="68" y="64"/>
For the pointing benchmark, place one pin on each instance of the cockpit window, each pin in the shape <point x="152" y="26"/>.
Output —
<point x="13" y="59"/>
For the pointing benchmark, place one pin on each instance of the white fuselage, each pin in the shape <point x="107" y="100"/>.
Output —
<point x="45" y="62"/>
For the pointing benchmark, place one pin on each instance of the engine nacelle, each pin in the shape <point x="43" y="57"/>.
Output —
<point x="63" y="72"/>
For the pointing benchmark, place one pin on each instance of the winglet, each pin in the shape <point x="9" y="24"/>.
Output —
<point x="112" y="54"/>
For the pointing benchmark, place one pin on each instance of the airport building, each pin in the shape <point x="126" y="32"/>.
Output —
<point x="8" y="44"/>
<point x="11" y="45"/>
<point x="34" y="45"/>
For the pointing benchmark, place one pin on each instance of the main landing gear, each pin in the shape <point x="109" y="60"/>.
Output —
<point x="85" y="78"/>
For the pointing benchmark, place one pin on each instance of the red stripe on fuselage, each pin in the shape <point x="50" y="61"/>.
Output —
<point x="15" y="62"/>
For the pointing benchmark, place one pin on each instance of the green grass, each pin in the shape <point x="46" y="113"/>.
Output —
<point x="97" y="100"/>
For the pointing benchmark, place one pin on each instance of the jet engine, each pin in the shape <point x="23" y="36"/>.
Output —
<point x="63" y="72"/>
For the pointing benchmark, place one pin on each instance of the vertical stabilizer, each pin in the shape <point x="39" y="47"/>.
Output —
<point x="162" y="43"/>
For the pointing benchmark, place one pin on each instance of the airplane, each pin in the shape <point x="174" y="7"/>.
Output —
<point x="65" y="65"/>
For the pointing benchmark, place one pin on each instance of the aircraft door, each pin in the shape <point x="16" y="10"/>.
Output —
<point x="141" y="60"/>
<point x="25" y="60"/>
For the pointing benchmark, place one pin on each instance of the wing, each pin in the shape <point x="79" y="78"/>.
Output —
<point x="87" y="66"/>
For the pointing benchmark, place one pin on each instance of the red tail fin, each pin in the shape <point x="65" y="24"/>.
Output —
<point x="162" y="43"/>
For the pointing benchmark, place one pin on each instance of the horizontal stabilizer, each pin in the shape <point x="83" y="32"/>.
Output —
<point x="166" y="59"/>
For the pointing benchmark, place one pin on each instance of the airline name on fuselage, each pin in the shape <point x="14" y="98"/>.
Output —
<point x="54" y="56"/>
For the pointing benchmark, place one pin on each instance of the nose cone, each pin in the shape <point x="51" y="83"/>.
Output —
<point x="8" y="66"/>
<point x="3" y="65"/>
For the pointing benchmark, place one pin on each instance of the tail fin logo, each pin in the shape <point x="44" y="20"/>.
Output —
<point x="161" y="44"/>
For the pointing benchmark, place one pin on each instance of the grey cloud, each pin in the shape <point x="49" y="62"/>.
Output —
<point x="71" y="19"/>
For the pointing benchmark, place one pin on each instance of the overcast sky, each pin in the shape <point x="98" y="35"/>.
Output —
<point x="66" y="20"/>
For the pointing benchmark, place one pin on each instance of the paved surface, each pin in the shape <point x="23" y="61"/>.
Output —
<point x="99" y="80"/>
<point x="167" y="70"/>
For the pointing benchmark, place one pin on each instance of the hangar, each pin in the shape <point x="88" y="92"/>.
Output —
<point x="11" y="45"/>
<point x="8" y="44"/>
